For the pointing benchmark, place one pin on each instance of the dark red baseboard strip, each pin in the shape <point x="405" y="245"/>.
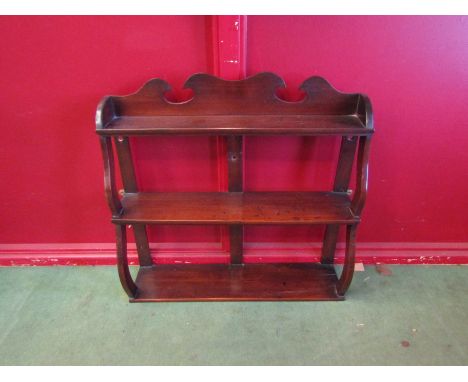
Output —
<point x="70" y="254"/>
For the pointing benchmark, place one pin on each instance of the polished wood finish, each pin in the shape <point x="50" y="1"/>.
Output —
<point x="348" y="268"/>
<point x="236" y="208"/>
<point x="329" y="243"/>
<point x="342" y="179"/>
<point x="237" y="124"/>
<point x="232" y="109"/>
<point x="235" y="185"/>
<point x="129" y="181"/>
<point x="110" y="186"/>
<point x="127" y="171"/>
<point x="220" y="282"/>
<point x="235" y="163"/>
<point x="247" y="107"/>
<point x="362" y="176"/>
<point x="236" y="241"/>
<point x="256" y="95"/>
<point x="142" y="244"/>
<point x="345" y="164"/>
<point x="122" y="262"/>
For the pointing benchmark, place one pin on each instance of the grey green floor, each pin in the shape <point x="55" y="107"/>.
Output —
<point x="80" y="316"/>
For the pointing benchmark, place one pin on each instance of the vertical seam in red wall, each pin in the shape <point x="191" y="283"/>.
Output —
<point x="242" y="46"/>
<point x="228" y="45"/>
<point x="227" y="37"/>
<point x="214" y="47"/>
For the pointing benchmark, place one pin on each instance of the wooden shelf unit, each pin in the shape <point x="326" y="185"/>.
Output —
<point x="233" y="109"/>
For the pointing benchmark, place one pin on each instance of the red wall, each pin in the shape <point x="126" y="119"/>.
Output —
<point x="415" y="71"/>
<point x="54" y="70"/>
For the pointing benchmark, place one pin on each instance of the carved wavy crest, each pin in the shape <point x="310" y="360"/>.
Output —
<point x="254" y="95"/>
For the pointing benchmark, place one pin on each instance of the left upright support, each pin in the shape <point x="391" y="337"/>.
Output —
<point x="130" y="185"/>
<point x="122" y="261"/>
<point x="110" y="187"/>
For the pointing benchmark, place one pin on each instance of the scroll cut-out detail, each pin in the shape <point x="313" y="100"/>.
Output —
<point x="149" y="97"/>
<point x="322" y="98"/>
<point x="289" y="94"/>
<point x="254" y="95"/>
<point x="241" y="107"/>
<point x="259" y="88"/>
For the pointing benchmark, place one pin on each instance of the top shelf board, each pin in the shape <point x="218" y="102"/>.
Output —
<point x="237" y="125"/>
<point x="244" y="107"/>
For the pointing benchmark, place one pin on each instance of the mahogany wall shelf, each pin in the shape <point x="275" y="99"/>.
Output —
<point x="233" y="109"/>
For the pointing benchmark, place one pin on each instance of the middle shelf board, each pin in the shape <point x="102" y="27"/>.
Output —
<point x="236" y="208"/>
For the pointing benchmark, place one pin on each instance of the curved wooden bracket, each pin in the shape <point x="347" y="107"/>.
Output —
<point x="110" y="187"/>
<point x="362" y="176"/>
<point x="364" y="111"/>
<point x="348" y="268"/>
<point x="122" y="261"/>
<point x="105" y="113"/>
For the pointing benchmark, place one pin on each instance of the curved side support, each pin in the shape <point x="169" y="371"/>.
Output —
<point x="110" y="187"/>
<point x="364" y="111"/>
<point x="362" y="176"/>
<point x="122" y="262"/>
<point x="105" y="113"/>
<point x="127" y="170"/>
<point x="348" y="269"/>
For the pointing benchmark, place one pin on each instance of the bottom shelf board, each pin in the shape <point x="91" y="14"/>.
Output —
<point x="220" y="282"/>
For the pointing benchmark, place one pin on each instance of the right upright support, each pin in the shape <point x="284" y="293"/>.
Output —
<point x="235" y="184"/>
<point x="342" y="179"/>
<point x="362" y="176"/>
<point x="348" y="268"/>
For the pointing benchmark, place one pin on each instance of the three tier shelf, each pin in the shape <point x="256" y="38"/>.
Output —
<point x="234" y="109"/>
